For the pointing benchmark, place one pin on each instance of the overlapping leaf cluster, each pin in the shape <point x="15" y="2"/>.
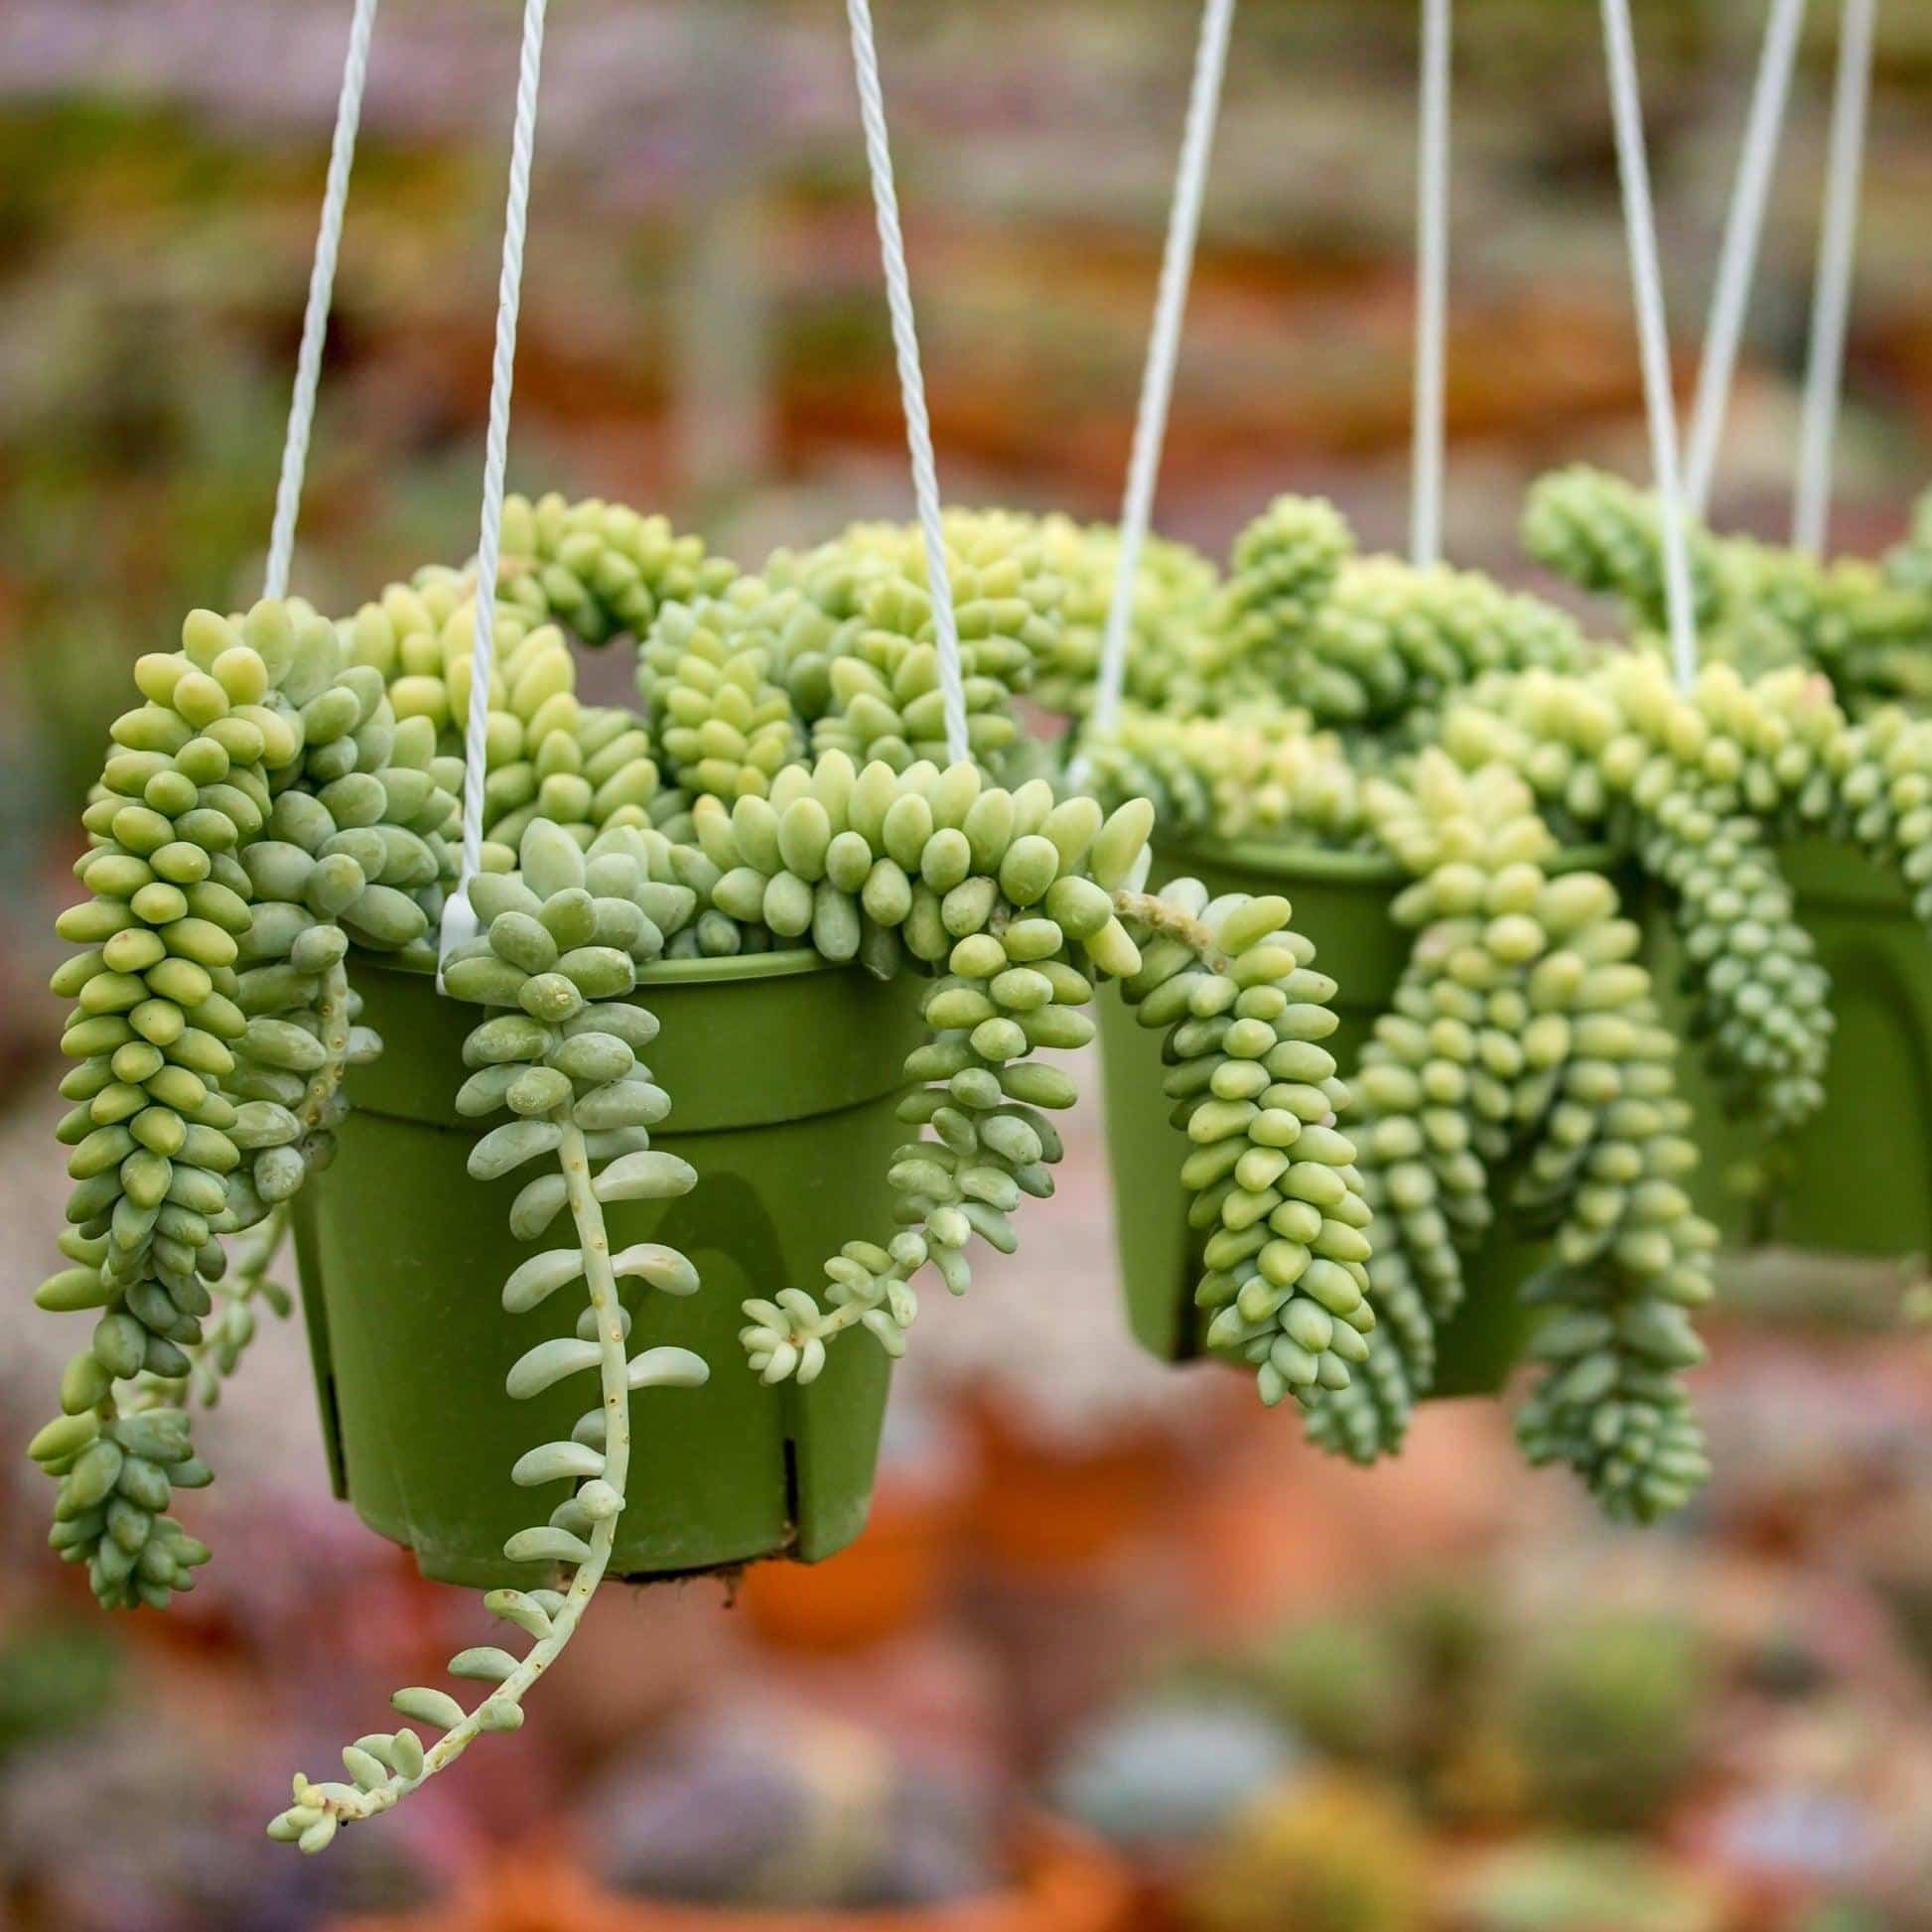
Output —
<point x="1333" y="688"/>
<point x="557" y="961"/>
<point x="262" y="807"/>
<point x="289" y="793"/>
<point x="1760" y="606"/>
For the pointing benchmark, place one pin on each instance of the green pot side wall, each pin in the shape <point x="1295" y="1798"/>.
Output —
<point x="1857" y="1178"/>
<point x="784" y="1077"/>
<point x="1341" y="903"/>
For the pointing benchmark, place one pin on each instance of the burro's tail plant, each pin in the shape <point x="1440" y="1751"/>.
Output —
<point x="1523" y="1061"/>
<point x="287" y="796"/>
<point x="259" y="808"/>
<point x="1015" y="903"/>
<point x="1521" y="1070"/>
<point x="1865" y="625"/>
<point x="559" y="1055"/>
<point x="1701" y="787"/>
<point x="1272" y="1182"/>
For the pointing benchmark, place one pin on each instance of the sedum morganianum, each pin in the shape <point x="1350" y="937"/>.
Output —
<point x="288" y="793"/>
<point x="557" y="963"/>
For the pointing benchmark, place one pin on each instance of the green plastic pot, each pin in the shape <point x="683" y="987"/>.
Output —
<point x="1857" y="1178"/>
<point x="1342" y="903"/>
<point x="784" y="1074"/>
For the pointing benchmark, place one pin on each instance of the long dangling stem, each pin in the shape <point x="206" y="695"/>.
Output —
<point x="344" y="1802"/>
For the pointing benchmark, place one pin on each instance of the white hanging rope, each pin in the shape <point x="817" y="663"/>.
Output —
<point x="458" y="921"/>
<point x="1432" y="288"/>
<point x="1653" y="339"/>
<point x="1163" y="353"/>
<point x="1737" y="256"/>
<point x="322" y="286"/>
<point x="1832" y="294"/>
<point x="911" y="381"/>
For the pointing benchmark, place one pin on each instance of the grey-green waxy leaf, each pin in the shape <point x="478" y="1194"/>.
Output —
<point x="667" y="1368"/>
<point x="319" y="1836"/>
<point x="551" y="860"/>
<point x="540" y="1277"/>
<point x="544" y="1543"/>
<point x="487" y="981"/>
<point x="485" y="1663"/>
<point x="540" y="1202"/>
<point x="523" y="941"/>
<point x="548" y="1363"/>
<point x="509" y="1037"/>
<point x="487" y="1089"/>
<point x="407" y="1749"/>
<point x="648" y="1176"/>
<point x="624" y="1103"/>
<point x="663" y="1267"/>
<point x="509" y="1145"/>
<point x="552" y="1461"/>
<point x="428" y="1706"/>
<point x="598" y="1056"/>
<point x="516" y="1606"/>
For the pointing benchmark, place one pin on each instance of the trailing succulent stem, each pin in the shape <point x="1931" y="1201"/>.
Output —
<point x="248" y="823"/>
<point x="1701" y="787"/>
<point x="1523" y="1058"/>
<point x="558" y="961"/>
<point x="1005" y="897"/>
<point x="1271" y="1182"/>
<point x="1760" y="607"/>
<point x="1021" y="902"/>
<point x="1522" y="1070"/>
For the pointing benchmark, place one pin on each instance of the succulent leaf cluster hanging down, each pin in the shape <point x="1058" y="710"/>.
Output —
<point x="557" y="966"/>
<point x="1760" y="607"/>
<point x="262" y="807"/>
<point x="285" y="797"/>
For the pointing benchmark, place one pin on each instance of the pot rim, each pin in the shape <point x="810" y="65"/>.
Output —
<point x="1332" y="864"/>
<point x="788" y="962"/>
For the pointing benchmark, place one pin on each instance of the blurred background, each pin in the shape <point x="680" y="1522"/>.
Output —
<point x="1115" y="1635"/>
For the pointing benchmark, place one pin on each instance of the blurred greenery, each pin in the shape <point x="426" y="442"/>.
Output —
<point x="53" y="1680"/>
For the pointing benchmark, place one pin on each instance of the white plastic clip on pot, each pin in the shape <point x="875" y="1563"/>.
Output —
<point x="458" y="928"/>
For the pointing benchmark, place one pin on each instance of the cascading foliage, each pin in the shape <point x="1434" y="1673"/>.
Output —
<point x="558" y="962"/>
<point x="1368" y="644"/>
<point x="1272" y="1184"/>
<point x="1328" y="689"/>
<point x="1760" y="606"/>
<point x="249" y="821"/>
<point x="1523" y="1063"/>
<point x="289" y="792"/>
<point x="286" y="795"/>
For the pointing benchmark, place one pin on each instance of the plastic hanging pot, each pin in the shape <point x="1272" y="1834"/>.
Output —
<point x="784" y="1074"/>
<point x="1342" y="903"/>
<point x="1855" y="1178"/>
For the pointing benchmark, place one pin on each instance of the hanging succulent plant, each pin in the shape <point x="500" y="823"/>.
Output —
<point x="287" y="795"/>
<point x="1330" y="690"/>
<point x="557" y="963"/>
<point x="1759" y="606"/>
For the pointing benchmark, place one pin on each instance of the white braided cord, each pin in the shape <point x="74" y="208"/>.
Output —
<point x="1738" y="254"/>
<point x="1163" y="353"/>
<point x="912" y="378"/>
<point x="1653" y="337"/>
<point x="1431" y="287"/>
<point x="458" y="921"/>
<point x="321" y="288"/>
<point x="1832" y="293"/>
